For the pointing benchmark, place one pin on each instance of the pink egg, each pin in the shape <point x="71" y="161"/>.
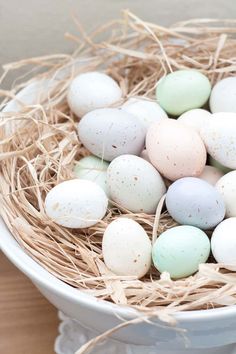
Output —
<point x="145" y="156"/>
<point x="175" y="149"/>
<point x="211" y="174"/>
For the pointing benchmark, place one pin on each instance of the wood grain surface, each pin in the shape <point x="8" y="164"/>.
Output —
<point x="28" y="323"/>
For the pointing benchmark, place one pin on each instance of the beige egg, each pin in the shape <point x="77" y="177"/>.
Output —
<point x="126" y="248"/>
<point x="211" y="174"/>
<point x="175" y="150"/>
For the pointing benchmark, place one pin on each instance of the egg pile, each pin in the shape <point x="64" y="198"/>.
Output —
<point x="140" y="151"/>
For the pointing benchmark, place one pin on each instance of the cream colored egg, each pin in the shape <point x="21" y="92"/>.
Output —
<point x="195" y="118"/>
<point x="227" y="188"/>
<point x="126" y="248"/>
<point x="76" y="203"/>
<point x="219" y="136"/>
<point x="146" y="111"/>
<point x="92" y="90"/>
<point x="175" y="149"/>
<point x="211" y="174"/>
<point x="135" y="184"/>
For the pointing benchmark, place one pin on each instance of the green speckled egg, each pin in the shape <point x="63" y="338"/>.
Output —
<point x="93" y="169"/>
<point x="180" y="250"/>
<point x="183" y="90"/>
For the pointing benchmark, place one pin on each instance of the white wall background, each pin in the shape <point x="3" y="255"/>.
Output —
<point x="36" y="27"/>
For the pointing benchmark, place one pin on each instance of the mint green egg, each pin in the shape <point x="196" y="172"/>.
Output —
<point x="180" y="250"/>
<point x="183" y="90"/>
<point x="93" y="169"/>
<point x="218" y="165"/>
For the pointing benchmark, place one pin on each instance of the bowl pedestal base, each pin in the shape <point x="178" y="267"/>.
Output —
<point x="72" y="336"/>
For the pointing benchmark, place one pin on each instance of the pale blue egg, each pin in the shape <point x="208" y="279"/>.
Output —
<point x="180" y="250"/>
<point x="192" y="201"/>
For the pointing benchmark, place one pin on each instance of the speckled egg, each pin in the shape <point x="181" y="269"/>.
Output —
<point x="192" y="201"/>
<point x="183" y="90"/>
<point x="180" y="250"/>
<point x="223" y="96"/>
<point x="111" y="132"/>
<point x="76" y="203"/>
<point x="175" y="149"/>
<point x="195" y="118"/>
<point x="219" y="136"/>
<point x="223" y="243"/>
<point x="92" y="90"/>
<point x="227" y="188"/>
<point x="135" y="184"/>
<point x="146" y="111"/>
<point x="126" y="248"/>
<point x="211" y="174"/>
<point x="93" y="169"/>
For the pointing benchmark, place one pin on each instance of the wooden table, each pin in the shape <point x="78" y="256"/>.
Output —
<point x="28" y="323"/>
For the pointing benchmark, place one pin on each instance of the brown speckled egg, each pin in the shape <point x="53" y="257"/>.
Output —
<point x="175" y="150"/>
<point x="135" y="184"/>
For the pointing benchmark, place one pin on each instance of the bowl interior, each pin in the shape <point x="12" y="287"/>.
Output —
<point x="30" y="95"/>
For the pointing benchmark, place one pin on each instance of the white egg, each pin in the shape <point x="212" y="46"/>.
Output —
<point x="76" y="203"/>
<point x="126" y="248"/>
<point x="227" y="188"/>
<point x="146" y="111"/>
<point x="135" y="184"/>
<point x="223" y="96"/>
<point x="93" y="169"/>
<point x="195" y="118"/>
<point x="211" y="174"/>
<point x="111" y="132"/>
<point x="219" y="136"/>
<point x="92" y="90"/>
<point x="223" y="243"/>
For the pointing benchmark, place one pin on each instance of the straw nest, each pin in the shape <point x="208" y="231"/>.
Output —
<point x="42" y="151"/>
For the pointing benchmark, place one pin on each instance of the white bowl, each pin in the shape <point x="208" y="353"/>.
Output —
<point x="203" y="329"/>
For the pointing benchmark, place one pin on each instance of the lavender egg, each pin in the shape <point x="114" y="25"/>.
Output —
<point x="192" y="201"/>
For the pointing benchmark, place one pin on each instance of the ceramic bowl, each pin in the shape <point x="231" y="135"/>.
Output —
<point x="202" y="329"/>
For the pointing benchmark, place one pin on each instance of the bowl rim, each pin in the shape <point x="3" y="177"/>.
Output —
<point x="21" y="259"/>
